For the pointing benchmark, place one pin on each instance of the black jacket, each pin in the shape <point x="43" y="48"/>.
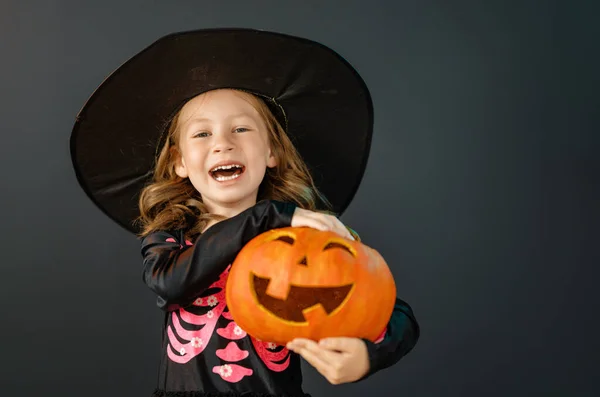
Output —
<point x="189" y="280"/>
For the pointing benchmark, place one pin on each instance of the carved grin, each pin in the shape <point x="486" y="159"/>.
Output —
<point x="299" y="299"/>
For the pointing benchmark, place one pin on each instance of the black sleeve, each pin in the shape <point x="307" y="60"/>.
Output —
<point x="401" y="336"/>
<point x="177" y="273"/>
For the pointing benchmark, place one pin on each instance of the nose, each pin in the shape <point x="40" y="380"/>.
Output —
<point x="223" y="143"/>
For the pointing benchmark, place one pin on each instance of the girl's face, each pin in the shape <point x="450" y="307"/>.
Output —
<point x="224" y="150"/>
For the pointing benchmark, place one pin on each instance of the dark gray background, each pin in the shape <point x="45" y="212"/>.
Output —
<point x="481" y="191"/>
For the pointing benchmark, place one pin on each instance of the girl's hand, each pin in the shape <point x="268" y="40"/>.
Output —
<point x="339" y="360"/>
<point x="317" y="220"/>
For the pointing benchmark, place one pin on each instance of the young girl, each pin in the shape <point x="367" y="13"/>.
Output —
<point x="227" y="171"/>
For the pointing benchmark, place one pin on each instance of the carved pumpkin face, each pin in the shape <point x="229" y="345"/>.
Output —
<point x="302" y="282"/>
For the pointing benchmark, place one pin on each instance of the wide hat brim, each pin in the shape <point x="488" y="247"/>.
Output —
<point x="328" y="113"/>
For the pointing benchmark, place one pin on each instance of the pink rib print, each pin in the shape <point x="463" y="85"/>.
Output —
<point x="227" y="315"/>
<point x="232" y="353"/>
<point x="232" y="331"/>
<point x="232" y="372"/>
<point x="270" y="358"/>
<point x="197" y="340"/>
<point x="172" y="240"/>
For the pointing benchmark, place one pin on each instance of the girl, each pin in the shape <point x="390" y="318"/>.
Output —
<point x="226" y="171"/>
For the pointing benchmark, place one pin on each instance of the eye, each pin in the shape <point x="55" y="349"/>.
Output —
<point x="202" y="134"/>
<point x="286" y="239"/>
<point x="333" y="245"/>
<point x="241" y="129"/>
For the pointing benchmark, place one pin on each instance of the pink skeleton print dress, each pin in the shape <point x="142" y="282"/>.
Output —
<point x="204" y="352"/>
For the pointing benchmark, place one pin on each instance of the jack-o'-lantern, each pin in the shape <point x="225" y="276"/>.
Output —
<point x="302" y="282"/>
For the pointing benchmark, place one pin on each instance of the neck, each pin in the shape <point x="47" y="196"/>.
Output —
<point x="229" y="210"/>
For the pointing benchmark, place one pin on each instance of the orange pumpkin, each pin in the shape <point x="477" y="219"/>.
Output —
<point x="302" y="282"/>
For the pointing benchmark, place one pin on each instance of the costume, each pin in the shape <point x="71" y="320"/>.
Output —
<point x="319" y="99"/>
<point x="326" y="110"/>
<point x="204" y="353"/>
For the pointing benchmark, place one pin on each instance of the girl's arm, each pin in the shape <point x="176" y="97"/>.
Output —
<point x="401" y="336"/>
<point x="177" y="273"/>
<point x="348" y="359"/>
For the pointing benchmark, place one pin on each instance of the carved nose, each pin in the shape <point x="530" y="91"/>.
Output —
<point x="303" y="261"/>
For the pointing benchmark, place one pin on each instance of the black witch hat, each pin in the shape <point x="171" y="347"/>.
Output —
<point x="317" y="96"/>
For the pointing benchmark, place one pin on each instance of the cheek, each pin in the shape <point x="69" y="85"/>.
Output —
<point x="194" y="157"/>
<point x="260" y="152"/>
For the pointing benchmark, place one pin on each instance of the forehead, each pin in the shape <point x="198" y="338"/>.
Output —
<point x="219" y="104"/>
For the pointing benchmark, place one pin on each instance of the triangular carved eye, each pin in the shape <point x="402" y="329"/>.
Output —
<point x="338" y="245"/>
<point x="286" y="239"/>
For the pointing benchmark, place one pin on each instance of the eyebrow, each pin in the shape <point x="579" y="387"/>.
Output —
<point x="204" y="119"/>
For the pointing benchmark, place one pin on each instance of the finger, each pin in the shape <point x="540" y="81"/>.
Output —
<point x="329" y="371"/>
<point x="304" y="218"/>
<point x="340" y="344"/>
<point x="311" y="357"/>
<point x="329" y="363"/>
<point x="334" y="224"/>
<point x="308" y="221"/>
<point x="324" y="369"/>
<point x="346" y="233"/>
<point x="320" y="221"/>
<point x="342" y="230"/>
<point x="319" y="224"/>
<point x="326" y="219"/>
<point x="304" y="343"/>
<point x="313" y="348"/>
<point x="317" y="220"/>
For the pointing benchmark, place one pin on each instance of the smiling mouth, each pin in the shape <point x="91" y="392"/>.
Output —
<point x="227" y="172"/>
<point x="299" y="299"/>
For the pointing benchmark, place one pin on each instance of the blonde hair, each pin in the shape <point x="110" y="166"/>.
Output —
<point x="170" y="202"/>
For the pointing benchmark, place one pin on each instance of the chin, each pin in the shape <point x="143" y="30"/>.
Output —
<point x="231" y="200"/>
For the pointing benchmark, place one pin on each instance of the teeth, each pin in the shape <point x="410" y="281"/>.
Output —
<point x="225" y="167"/>
<point x="226" y="178"/>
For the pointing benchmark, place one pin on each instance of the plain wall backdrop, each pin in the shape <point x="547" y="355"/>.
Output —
<point x="482" y="191"/>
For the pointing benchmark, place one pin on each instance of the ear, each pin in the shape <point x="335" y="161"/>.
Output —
<point x="271" y="160"/>
<point x="180" y="168"/>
